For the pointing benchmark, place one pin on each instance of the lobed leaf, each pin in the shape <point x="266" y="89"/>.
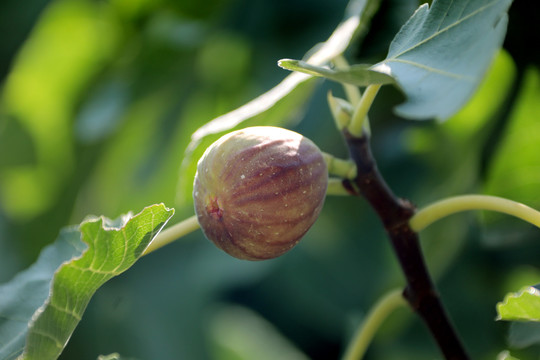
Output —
<point x="29" y="289"/>
<point x="521" y="306"/>
<point x="440" y="55"/>
<point x="45" y="303"/>
<point x="360" y="75"/>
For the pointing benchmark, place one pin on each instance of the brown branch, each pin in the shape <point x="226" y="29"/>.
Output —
<point x="395" y="214"/>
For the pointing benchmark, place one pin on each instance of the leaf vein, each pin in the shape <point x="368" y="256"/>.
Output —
<point x="443" y="17"/>
<point x="97" y="271"/>
<point x="434" y="70"/>
<point x="449" y="27"/>
<point x="67" y="311"/>
<point x="50" y="336"/>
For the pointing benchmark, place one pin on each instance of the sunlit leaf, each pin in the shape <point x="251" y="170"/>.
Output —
<point x="441" y="54"/>
<point x="523" y="305"/>
<point x="360" y="75"/>
<point x="45" y="303"/>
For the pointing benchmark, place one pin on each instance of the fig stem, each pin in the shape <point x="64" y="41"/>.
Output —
<point x="371" y="323"/>
<point x="440" y="209"/>
<point x="173" y="233"/>
<point x="356" y="125"/>
<point x="336" y="187"/>
<point x="341" y="111"/>
<point x="343" y="168"/>
<point x="352" y="92"/>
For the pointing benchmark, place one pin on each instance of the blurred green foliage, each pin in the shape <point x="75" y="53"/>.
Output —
<point x="99" y="100"/>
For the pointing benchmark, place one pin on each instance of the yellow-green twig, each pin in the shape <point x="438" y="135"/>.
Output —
<point x="343" y="168"/>
<point x="341" y="111"/>
<point x="335" y="187"/>
<point x="173" y="233"/>
<point x="361" y="110"/>
<point x="352" y="91"/>
<point x="382" y="309"/>
<point x="449" y="206"/>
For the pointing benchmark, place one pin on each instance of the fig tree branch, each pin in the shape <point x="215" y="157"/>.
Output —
<point x="394" y="214"/>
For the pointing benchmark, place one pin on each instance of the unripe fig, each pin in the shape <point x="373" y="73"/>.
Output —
<point x="257" y="191"/>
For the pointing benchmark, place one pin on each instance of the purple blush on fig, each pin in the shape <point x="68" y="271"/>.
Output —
<point x="257" y="191"/>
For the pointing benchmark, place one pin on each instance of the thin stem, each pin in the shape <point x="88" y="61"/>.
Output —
<point x="360" y="113"/>
<point x="341" y="111"/>
<point x="336" y="187"/>
<point x="352" y="91"/>
<point x="173" y="233"/>
<point x="343" y="168"/>
<point x="365" y="333"/>
<point x="440" y="209"/>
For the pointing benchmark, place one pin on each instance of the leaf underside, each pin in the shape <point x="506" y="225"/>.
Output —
<point x="440" y="55"/>
<point x="29" y="289"/>
<point x="360" y="75"/>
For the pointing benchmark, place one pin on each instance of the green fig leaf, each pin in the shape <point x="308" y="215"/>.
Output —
<point x="360" y="75"/>
<point x="44" y="303"/>
<point x="441" y="54"/>
<point x="520" y="306"/>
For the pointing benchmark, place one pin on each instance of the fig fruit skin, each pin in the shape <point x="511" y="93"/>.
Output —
<point x="257" y="191"/>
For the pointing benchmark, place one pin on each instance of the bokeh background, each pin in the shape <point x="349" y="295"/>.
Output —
<point x="98" y="102"/>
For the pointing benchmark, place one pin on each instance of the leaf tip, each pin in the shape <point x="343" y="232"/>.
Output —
<point x="286" y="64"/>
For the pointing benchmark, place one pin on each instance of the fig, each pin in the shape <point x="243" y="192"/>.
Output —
<point x="257" y="191"/>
